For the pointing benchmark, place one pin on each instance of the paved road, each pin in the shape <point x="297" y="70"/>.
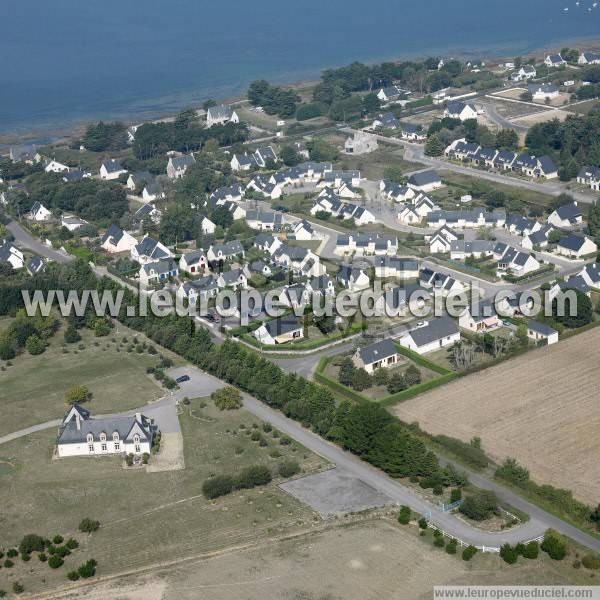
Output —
<point x="416" y="153"/>
<point x="495" y="117"/>
<point x="23" y="239"/>
<point x="203" y="384"/>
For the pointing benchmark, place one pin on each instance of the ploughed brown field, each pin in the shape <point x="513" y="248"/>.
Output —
<point x="542" y="409"/>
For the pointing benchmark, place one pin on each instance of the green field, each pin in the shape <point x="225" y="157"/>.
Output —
<point x="33" y="388"/>
<point x="145" y="517"/>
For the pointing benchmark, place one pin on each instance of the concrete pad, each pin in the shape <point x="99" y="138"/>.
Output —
<point x="335" y="492"/>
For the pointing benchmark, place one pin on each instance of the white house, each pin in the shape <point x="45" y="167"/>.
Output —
<point x="480" y="320"/>
<point x="72" y="223"/>
<point x="360" y="143"/>
<point x="567" y="215"/>
<point x="541" y="333"/>
<point x="589" y="58"/>
<point x="409" y="216"/>
<point x="39" y="212"/>
<point x="111" y="169"/>
<point x="365" y="244"/>
<point x="554" y="61"/>
<point x="279" y="331"/>
<point x="460" y="110"/>
<point x="575" y="246"/>
<point x="441" y="283"/>
<point x="221" y="114"/>
<point x="193" y="262"/>
<point x="227" y="251"/>
<point x="243" y="162"/>
<point x="202" y="288"/>
<point x="304" y="231"/>
<point x="392" y="93"/>
<point x="352" y="278"/>
<point x="543" y="91"/>
<point x="524" y="73"/>
<point x="441" y="240"/>
<point x="380" y="355"/>
<point x="591" y="275"/>
<point x="235" y="279"/>
<point x="511" y="260"/>
<point x="437" y="333"/>
<point x="462" y="249"/>
<point x="425" y="181"/>
<point x="116" y="240"/>
<point x="11" y="254"/>
<point x="178" y="165"/>
<point x="146" y="211"/>
<point x="265" y="154"/>
<point x="149" y="250"/>
<point x="207" y="226"/>
<point x="396" y="192"/>
<point x="54" y="166"/>
<point x="397" y="267"/>
<point x="590" y="176"/>
<point x="264" y="220"/>
<point x="267" y="243"/>
<point x="81" y="435"/>
<point x="156" y="272"/>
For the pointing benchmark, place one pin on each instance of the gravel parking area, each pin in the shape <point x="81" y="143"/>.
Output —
<point x="335" y="492"/>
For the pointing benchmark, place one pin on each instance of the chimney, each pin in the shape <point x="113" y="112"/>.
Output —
<point x="78" y="421"/>
<point x="138" y="417"/>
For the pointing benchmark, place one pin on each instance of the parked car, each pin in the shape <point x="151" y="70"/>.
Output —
<point x="183" y="378"/>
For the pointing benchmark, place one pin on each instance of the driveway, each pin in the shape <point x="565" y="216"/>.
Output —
<point x="202" y="384"/>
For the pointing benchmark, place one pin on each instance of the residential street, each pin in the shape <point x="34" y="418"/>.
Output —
<point x="23" y="239"/>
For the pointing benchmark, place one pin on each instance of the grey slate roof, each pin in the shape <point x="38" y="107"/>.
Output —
<point x="220" y="112"/>
<point x="282" y="325"/>
<point x="540" y="328"/>
<point x="436" y="329"/>
<point x="114" y="232"/>
<point x="112" y="166"/>
<point x="424" y="178"/>
<point x="570" y="212"/>
<point x="572" y="242"/>
<point x="378" y="351"/>
<point x="149" y="247"/>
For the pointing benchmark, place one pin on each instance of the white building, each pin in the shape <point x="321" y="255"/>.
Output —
<point x="72" y="223"/>
<point x="575" y="246"/>
<point x="221" y="114"/>
<point x="208" y="227"/>
<point x="149" y="250"/>
<point x="39" y="213"/>
<point x="460" y="110"/>
<point x="541" y="333"/>
<point x="81" y="435"/>
<point x="380" y="355"/>
<point x="437" y="333"/>
<point x="361" y="143"/>
<point x="54" y="166"/>
<point x="116" y="240"/>
<point x="111" y="169"/>
<point x="279" y="331"/>
<point x="11" y="254"/>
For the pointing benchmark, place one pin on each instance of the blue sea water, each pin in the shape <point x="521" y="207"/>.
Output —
<point x="66" y="61"/>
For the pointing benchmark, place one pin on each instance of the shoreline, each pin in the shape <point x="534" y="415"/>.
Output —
<point x="47" y="135"/>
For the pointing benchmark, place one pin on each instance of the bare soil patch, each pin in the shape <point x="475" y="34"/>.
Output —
<point x="541" y="409"/>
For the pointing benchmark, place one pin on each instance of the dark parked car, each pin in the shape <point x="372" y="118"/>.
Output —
<point x="183" y="378"/>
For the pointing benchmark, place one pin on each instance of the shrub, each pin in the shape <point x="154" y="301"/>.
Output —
<point x="227" y="398"/>
<point x="267" y="427"/>
<point x="31" y="543"/>
<point x="25" y="557"/>
<point x="219" y="485"/>
<point x="439" y="542"/>
<point x="145" y="458"/>
<point x="18" y="587"/>
<point x="88" y="525"/>
<point x="77" y="395"/>
<point x="274" y="453"/>
<point x="438" y="489"/>
<point x="531" y="550"/>
<point x="591" y="561"/>
<point x="255" y="436"/>
<point x="62" y="551"/>
<point x="451" y="547"/>
<point x="9" y="564"/>
<point x="554" y="545"/>
<point x="423" y="523"/>
<point x="55" y="561"/>
<point x="57" y="539"/>
<point x="288" y="468"/>
<point x="253" y="476"/>
<point x="469" y="552"/>
<point x="576" y="564"/>
<point x="455" y="495"/>
<point x="35" y="345"/>
<point x="72" y="544"/>
<point x="73" y="575"/>
<point x="42" y="557"/>
<point x="404" y="515"/>
<point x="479" y="506"/>
<point x="12" y="552"/>
<point x="87" y="569"/>
<point x="129" y="460"/>
<point x="509" y="554"/>
<point x="285" y="441"/>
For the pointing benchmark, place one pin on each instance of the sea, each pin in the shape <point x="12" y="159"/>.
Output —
<point x="66" y="62"/>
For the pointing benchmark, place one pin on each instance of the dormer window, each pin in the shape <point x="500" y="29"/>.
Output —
<point x="90" y="438"/>
<point x="103" y="437"/>
<point x="115" y="436"/>
<point x="136" y="439"/>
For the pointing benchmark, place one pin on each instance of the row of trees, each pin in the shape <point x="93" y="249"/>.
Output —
<point x="26" y="332"/>
<point x="102" y="137"/>
<point x="274" y="100"/>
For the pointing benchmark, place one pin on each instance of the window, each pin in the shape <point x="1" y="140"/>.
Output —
<point x="117" y="446"/>
<point x="91" y="448"/>
<point x="138" y="448"/>
<point x="103" y="437"/>
<point x="115" y="436"/>
<point x="104" y="447"/>
<point x="90" y="438"/>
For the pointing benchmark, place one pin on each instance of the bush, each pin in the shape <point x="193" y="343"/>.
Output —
<point x="469" y="552"/>
<point x="451" y="547"/>
<point x="227" y="398"/>
<point x="57" y="539"/>
<point x="55" y="561"/>
<point x="404" y="515"/>
<point x="267" y="427"/>
<point x="509" y="554"/>
<point x="554" y="545"/>
<point x="531" y="550"/>
<point x="9" y="564"/>
<point x="18" y="587"/>
<point x="73" y="575"/>
<point x="253" y="476"/>
<point x="42" y="557"/>
<point x="255" y="436"/>
<point x="35" y="345"/>
<point x="288" y="468"/>
<point x="591" y="561"/>
<point x="77" y="395"/>
<point x="479" y="506"/>
<point x="129" y="460"/>
<point x="25" y="557"/>
<point x="71" y="335"/>
<point x="439" y="542"/>
<point x="72" y="544"/>
<point x="12" y="552"/>
<point x="62" y="551"/>
<point x="87" y="569"/>
<point x="423" y="523"/>
<point x="219" y="485"/>
<point x="31" y="543"/>
<point x="455" y="495"/>
<point x="145" y="458"/>
<point x="88" y="525"/>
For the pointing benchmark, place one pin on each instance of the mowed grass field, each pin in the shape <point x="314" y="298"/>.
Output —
<point x="361" y="561"/>
<point x="146" y="518"/>
<point x="32" y="390"/>
<point x="541" y="408"/>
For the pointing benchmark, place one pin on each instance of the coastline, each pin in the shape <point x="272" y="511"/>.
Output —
<point x="71" y="127"/>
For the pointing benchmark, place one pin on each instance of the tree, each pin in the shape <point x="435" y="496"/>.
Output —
<point x="584" y="311"/>
<point x="35" y="345"/>
<point x="371" y="104"/>
<point x="404" y="515"/>
<point x="531" y="550"/>
<point x="381" y="376"/>
<point x="77" y="395"/>
<point x="594" y="220"/>
<point x="480" y="505"/>
<point x="434" y="146"/>
<point x="412" y="376"/>
<point x="289" y="156"/>
<point x="227" y="398"/>
<point x="361" y="380"/>
<point x="32" y="543"/>
<point x="554" y="545"/>
<point x="509" y="554"/>
<point x="346" y="372"/>
<point x="71" y="335"/>
<point x="88" y="525"/>
<point x="397" y="383"/>
<point x="526" y="96"/>
<point x="507" y="139"/>
<point x="308" y="111"/>
<point x="55" y="561"/>
<point x="322" y="151"/>
<point x="469" y="552"/>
